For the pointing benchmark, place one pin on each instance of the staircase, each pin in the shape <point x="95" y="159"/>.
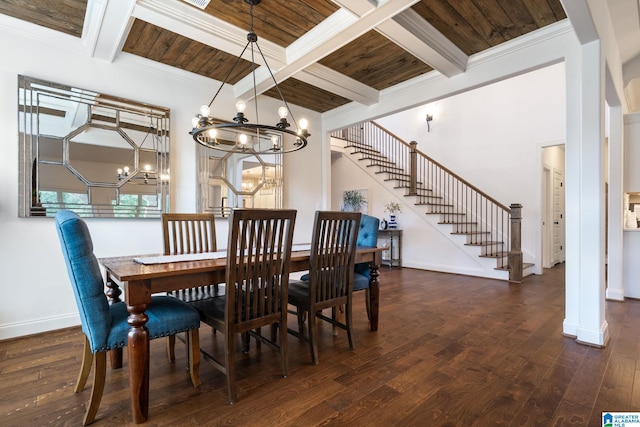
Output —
<point x="487" y="225"/>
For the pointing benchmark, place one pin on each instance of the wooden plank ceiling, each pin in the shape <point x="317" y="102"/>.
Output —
<point x="374" y="59"/>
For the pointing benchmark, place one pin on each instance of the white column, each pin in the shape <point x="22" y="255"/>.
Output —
<point x="615" y="286"/>
<point x="572" y="192"/>
<point x="584" y="284"/>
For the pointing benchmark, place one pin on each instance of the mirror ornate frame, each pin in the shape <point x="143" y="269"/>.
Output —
<point x="95" y="154"/>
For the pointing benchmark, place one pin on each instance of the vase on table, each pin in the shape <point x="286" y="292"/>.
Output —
<point x="392" y="222"/>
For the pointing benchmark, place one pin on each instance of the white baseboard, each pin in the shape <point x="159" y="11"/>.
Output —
<point x="615" y="294"/>
<point x="597" y="337"/>
<point x="13" y="330"/>
<point x="492" y="274"/>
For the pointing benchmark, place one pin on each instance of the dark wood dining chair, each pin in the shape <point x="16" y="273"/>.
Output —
<point x="189" y="233"/>
<point x="257" y="278"/>
<point x="105" y="326"/>
<point x="331" y="270"/>
<point x="367" y="237"/>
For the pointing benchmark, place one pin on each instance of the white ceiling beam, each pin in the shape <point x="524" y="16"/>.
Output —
<point x="414" y="34"/>
<point x="356" y="7"/>
<point x="335" y="24"/>
<point x="106" y="27"/>
<point x="333" y="33"/>
<point x="631" y="70"/>
<point x="631" y="90"/>
<point x="579" y="14"/>
<point x="334" y="82"/>
<point x="336" y="31"/>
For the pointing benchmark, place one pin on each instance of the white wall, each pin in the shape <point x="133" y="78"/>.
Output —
<point x="632" y="153"/>
<point x="631" y="237"/>
<point x="35" y="287"/>
<point x="490" y="136"/>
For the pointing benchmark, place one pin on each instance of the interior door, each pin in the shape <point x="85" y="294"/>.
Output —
<point x="558" y="217"/>
<point x="547" y="214"/>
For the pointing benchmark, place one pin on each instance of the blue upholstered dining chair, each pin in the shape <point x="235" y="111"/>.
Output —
<point x="105" y="326"/>
<point x="367" y="236"/>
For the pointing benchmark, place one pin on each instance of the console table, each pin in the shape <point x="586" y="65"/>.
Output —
<point x="394" y="239"/>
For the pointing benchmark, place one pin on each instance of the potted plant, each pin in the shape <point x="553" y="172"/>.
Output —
<point x="353" y="200"/>
<point x="392" y="207"/>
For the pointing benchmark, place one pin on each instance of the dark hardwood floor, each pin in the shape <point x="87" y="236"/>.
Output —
<point x="451" y="351"/>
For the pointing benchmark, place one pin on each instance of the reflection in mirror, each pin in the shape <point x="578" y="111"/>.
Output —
<point x="95" y="154"/>
<point x="238" y="179"/>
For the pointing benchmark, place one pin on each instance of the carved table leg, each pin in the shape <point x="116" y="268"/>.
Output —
<point x="138" y="343"/>
<point x="113" y="295"/>
<point x="374" y="295"/>
<point x="114" y="291"/>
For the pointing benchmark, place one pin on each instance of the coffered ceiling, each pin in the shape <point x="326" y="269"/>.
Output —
<point x="324" y="53"/>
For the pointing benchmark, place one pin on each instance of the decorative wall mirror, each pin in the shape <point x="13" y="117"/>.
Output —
<point x="92" y="153"/>
<point x="239" y="179"/>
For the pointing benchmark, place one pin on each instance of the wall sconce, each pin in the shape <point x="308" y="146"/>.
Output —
<point x="429" y="119"/>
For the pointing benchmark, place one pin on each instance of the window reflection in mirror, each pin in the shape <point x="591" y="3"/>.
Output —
<point x="92" y="153"/>
<point x="237" y="180"/>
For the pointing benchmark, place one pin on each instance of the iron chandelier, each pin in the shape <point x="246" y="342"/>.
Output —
<point x="241" y="135"/>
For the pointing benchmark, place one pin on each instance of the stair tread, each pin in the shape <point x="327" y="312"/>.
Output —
<point x="397" y="179"/>
<point x="470" y="232"/>
<point x="445" y="213"/>
<point x="387" y="169"/>
<point x="374" y="157"/>
<point x="500" y="254"/>
<point x="393" y="173"/>
<point x="417" y="189"/>
<point x="362" y="146"/>
<point x="363" y="150"/>
<point x="383" y="164"/>
<point x="488" y="242"/>
<point x="370" y="152"/>
<point x="524" y="266"/>
<point x="457" y="223"/>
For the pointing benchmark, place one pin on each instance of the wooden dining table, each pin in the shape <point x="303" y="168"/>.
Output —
<point x="140" y="281"/>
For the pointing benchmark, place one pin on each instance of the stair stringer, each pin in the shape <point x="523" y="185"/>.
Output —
<point x="486" y="267"/>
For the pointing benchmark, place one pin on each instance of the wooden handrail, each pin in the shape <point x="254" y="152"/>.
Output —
<point x="444" y="168"/>
<point x="445" y="192"/>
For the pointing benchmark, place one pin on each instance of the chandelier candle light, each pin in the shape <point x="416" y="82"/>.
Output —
<point x="241" y="135"/>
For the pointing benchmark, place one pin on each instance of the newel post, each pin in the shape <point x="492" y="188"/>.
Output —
<point x="413" y="169"/>
<point x="515" y="253"/>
